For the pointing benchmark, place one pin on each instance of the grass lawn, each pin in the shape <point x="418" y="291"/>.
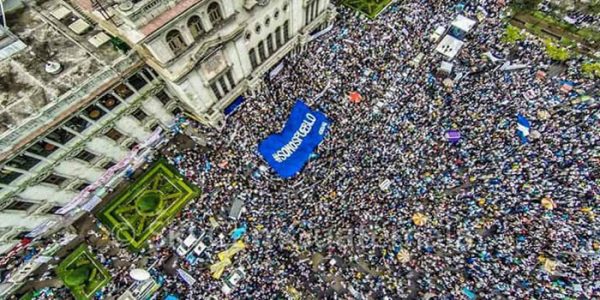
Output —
<point x="544" y="26"/>
<point x="371" y="8"/>
<point x="82" y="273"/>
<point x="147" y="205"/>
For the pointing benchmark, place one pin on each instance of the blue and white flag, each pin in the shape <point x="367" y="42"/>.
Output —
<point x="522" y="128"/>
<point x="288" y="151"/>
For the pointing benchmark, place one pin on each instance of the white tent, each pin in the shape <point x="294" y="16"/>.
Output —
<point x="139" y="274"/>
<point x="437" y="34"/>
<point x="449" y="46"/>
<point x="446" y="67"/>
<point x="463" y="23"/>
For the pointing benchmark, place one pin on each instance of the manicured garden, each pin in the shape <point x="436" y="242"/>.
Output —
<point x="82" y="273"/>
<point x="147" y="205"/>
<point x="370" y="8"/>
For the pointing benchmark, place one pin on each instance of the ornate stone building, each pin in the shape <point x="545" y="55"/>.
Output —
<point x="77" y="108"/>
<point x="211" y="52"/>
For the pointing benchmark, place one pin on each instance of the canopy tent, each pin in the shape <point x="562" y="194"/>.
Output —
<point x="463" y="23"/>
<point x="449" y="46"/>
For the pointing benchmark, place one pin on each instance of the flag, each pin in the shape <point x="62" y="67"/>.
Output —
<point x="522" y="128"/>
<point x="186" y="277"/>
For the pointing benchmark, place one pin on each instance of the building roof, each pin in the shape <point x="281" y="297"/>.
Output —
<point x="26" y="89"/>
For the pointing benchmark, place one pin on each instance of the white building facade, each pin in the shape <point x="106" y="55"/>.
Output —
<point x="211" y="52"/>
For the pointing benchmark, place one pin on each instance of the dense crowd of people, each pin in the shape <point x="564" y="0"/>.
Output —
<point x="498" y="218"/>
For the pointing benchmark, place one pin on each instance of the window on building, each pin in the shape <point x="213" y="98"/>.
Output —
<point x="137" y="81"/>
<point x="85" y="156"/>
<point x="261" y="51"/>
<point x="195" y="26"/>
<point x="23" y="234"/>
<point x="286" y="31"/>
<point x="306" y="15"/>
<point x="132" y="145"/>
<point x="107" y="165"/>
<point x="148" y="74"/>
<point x="163" y="97"/>
<point x="139" y="114"/>
<point x="278" y="37"/>
<point x="23" y="162"/>
<point x="123" y="91"/>
<point x="6" y="176"/>
<point x="270" y="44"/>
<point x="109" y="101"/>
<point x="267" y="22"/>
<point x="215" y="90"/>
<point x="20" y="205"/>
<point x="42" y="148"/>
<point x="94" y="112"/>
<point x="229" y="77"/>
<point x="54" y="179"/>
<point x="175" y="41"/>
<point x="223" y="85"/>
<point x="154" y="127"/>
<point x="176" y="111"/>
<point x="114" y="134"/>
<point x="54" y="209"/>
<point x="214" y="13"/>
<point x="276" y="14"/>
<point x="253" y="60"/>
<point x="77" y="124"/>
<point x="82" y="186"/>
<point x="60" y="136"/>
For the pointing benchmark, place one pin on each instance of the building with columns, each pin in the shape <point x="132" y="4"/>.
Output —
<point x="71" y="107"/>
<point x="76" y="105"/>
<point x="210" y="53"/>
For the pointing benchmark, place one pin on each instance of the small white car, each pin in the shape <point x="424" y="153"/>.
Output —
<point x="187" y="245"/>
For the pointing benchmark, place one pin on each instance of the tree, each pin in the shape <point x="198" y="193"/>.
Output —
<point x="555" y="52"/>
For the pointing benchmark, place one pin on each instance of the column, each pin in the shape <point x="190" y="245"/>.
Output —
<point x="132" y="128"/>
<point x="134" y="90"/>
<point x="33" y="155"/>
<point x="112" y="93"/>
<point x="79" y="169"/>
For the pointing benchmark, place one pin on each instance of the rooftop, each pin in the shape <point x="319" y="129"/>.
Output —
<point x="52" y="32"/>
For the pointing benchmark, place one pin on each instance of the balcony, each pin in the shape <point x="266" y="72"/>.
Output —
<point x="138" y="13"/>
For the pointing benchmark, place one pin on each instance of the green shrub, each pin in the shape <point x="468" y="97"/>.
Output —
<point x="555" y="52"/>
<point x="591" y="69"/>
<point x="512" y="34"/>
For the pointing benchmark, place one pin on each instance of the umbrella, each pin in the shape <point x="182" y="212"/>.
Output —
<point x="448" y="82"/>
<point x="354" y="97"/>
<point x="139" y="274"/>
<point x="548" y="203"/>
<point x="403" y="256"/>
<point x="453" y="136"/>
<point x="419" y="219"/>
<point x="543" y="115"/>
<point x="550" y="265"/>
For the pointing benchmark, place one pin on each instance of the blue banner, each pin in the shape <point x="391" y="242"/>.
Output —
<point x="288" y="151"/>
